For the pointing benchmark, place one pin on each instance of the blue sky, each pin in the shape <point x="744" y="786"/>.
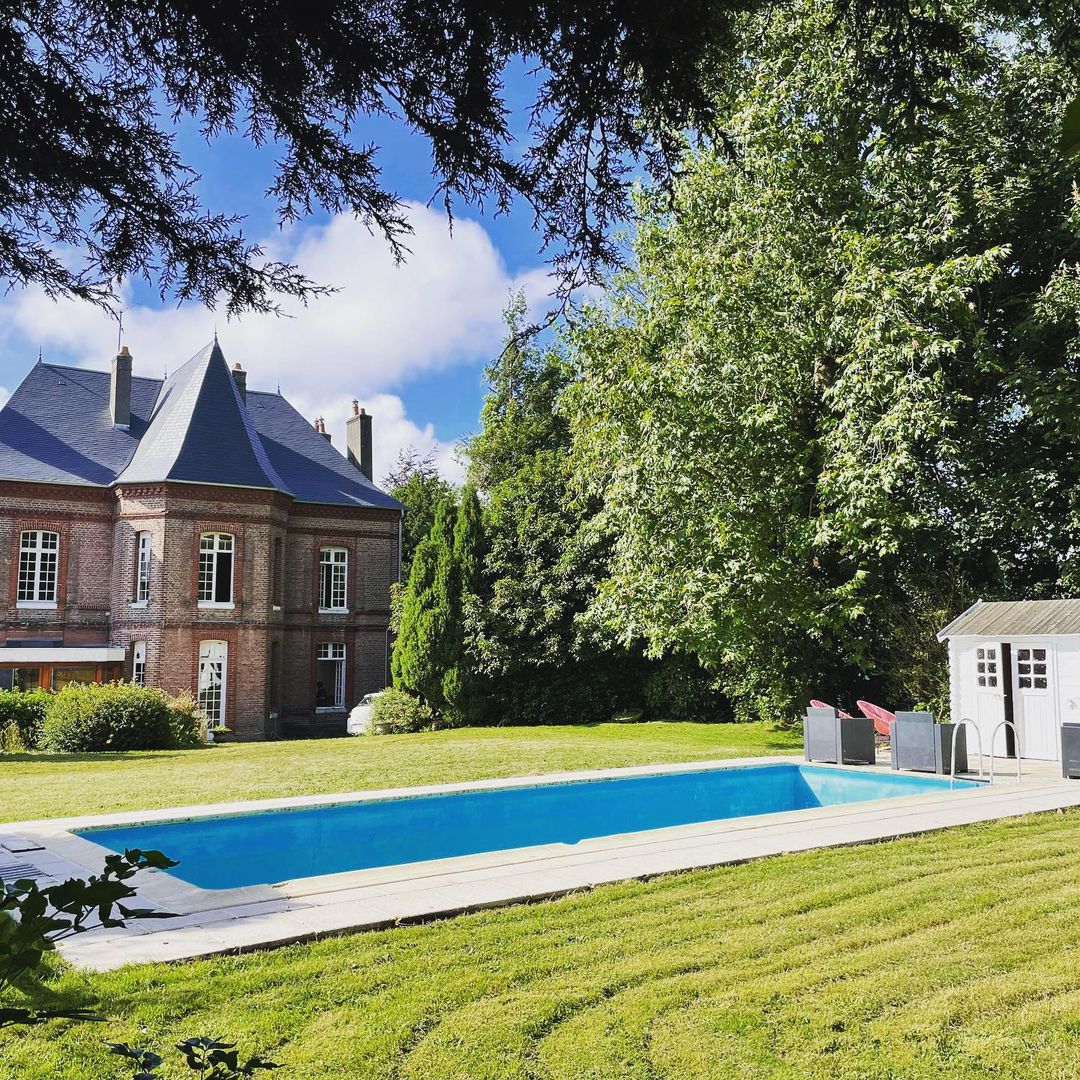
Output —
<point x="411" y="342"/>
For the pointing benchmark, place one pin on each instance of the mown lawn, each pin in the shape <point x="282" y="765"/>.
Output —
<point x="946" y="955"/>
<point x="43" y="785"/>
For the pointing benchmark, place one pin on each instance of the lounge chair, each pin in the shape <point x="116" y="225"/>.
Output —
<point x="883" y="719"/>
<point x="814" y="704"/>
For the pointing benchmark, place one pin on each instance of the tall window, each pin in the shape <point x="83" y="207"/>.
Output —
<point x="216" y="569"/>
<point x="142" y="568"/>
<point x="333" y="577"/>
<point x="213" y="657"/>
<point x="39" y="554"/>
<point x="275" y="574"/>
<point x="330" y="675"/>
<point x="138" y="663"/>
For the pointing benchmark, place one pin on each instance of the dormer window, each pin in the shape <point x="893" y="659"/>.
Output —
<point x="333" y="579"/>
<point x="216" y="569"/>
<point x="39" y="561"/>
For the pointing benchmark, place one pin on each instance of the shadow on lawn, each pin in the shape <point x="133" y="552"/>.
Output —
<point x="29" y="757"/>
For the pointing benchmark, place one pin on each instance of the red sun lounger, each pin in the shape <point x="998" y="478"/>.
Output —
<point x="814" y="704"/>
<point x="882" y="717"/>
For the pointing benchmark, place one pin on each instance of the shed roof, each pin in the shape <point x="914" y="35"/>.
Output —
<point x="1002" y="619"/>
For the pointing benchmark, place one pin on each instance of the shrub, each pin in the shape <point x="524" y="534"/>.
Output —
<point x="189" y="723"/>
<point x="89" y="717"/>
<point x="396" y="712"/>
<point x="11" y="740"/>
<point x="26" y="711"/>
<point x="679" y="689"/>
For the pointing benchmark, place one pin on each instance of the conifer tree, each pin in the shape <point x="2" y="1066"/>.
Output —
<point x="420" y="651"/>
<point x="460" y="685"/>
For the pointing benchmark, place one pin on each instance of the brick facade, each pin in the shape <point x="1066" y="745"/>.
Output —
<point x="271" y="647"/>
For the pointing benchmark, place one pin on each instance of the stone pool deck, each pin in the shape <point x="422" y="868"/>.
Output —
<point x="214" y="922"/>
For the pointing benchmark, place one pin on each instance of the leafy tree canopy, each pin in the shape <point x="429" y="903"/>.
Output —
<point x="838" y="397"/>
<point x="543" y="560"/>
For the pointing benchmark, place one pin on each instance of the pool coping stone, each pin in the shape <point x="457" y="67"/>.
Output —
<point x="215" y="922"/>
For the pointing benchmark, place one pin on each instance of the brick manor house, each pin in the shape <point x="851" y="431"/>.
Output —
<point x="191" y="534"/>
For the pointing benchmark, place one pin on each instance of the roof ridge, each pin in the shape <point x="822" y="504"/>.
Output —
<point x="93" y="371"/>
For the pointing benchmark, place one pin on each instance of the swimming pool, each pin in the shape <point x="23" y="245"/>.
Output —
<point x="276" y="845"/>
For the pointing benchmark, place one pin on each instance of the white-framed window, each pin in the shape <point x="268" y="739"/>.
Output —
<point x="142" y="567"/>
<point x="138" y="663"/>
<point x="330" y="676"/>
<point x="213" y="666"/>
<point x="216" y="569"/>
<point x="986" y="666"/>
<point x="333" y="579"/>
<point x="1032" y="668"/>
<point x="39" y="564"/>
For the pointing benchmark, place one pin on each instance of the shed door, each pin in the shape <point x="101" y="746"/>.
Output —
<point x="1034" y="701"/>
<point x="984" y="666"/>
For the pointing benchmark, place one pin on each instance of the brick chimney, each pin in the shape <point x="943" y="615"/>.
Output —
<point x="320" y="427"/>
<point x="240" y="378"/>
<point x="120" y="389"/>
<point x="358" y="439"/>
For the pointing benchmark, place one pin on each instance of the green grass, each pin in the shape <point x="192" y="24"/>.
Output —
<point x="947" y="955"/>
<point x="45" y="785"/>
<point x="950" y="955"/>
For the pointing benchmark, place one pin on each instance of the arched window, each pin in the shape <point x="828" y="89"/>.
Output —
<point x="39" y="562"/>
<point x="333" y="579"/>
<point x="213" y="666"/>
<point x="216" y="569"/>
<point x="138" y="663"/>
<point x="330" y="676"/>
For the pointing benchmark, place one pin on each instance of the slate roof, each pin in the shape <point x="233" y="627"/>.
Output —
<point x="192" y="427"/>
<point x="1009" y="618"/>
<point x="307" y="464"/>
<point x="56" y="428"/>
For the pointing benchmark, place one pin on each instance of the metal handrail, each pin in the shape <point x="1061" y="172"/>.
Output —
<point x="1016" y="738"/>
<point x="952" y="760"/>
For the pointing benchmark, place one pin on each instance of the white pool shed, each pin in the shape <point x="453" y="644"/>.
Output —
<point x="1019" y="661"/>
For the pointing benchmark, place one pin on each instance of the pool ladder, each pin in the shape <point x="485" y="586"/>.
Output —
<point x="993" y="738"/>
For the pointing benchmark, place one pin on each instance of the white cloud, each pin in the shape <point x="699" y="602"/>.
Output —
<point x="385" y="325"/>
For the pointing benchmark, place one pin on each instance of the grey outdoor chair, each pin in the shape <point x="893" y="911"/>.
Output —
<point x="920" y="745"/>
<point x="838" y="740"/>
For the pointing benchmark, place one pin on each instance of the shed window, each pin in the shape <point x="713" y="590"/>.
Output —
<point x="986" y="666"/>
<point x="1032" y="671"/>
<point x="39" y="554"/>
<point x="216" y="569"/>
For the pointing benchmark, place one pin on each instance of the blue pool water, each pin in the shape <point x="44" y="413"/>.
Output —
<point x="276" y="845"/>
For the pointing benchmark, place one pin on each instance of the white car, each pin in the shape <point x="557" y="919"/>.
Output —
<point x="360" y="719"/>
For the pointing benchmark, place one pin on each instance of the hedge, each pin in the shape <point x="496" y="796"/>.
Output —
<point x="396" y="712"/>
<point x="92" y="717"/>
<point x="26" y="713"/>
